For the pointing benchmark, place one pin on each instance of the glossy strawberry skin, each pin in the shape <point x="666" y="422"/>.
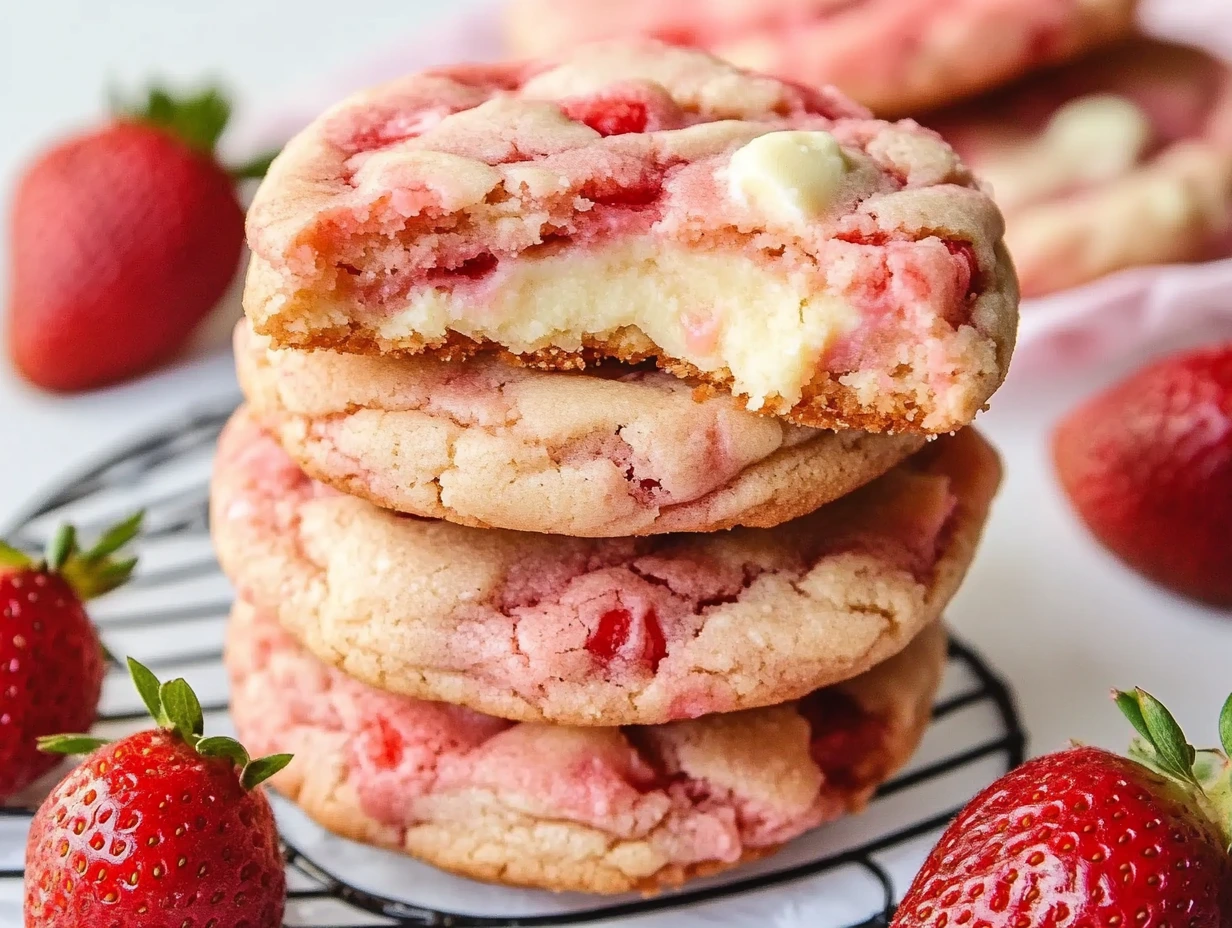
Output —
<point x="148" y="832"/>
<point x="1148" y="467"/>
<point x="1075" y="839"/>
<point x="122" y="241"/>
<point x="51" y="671"/>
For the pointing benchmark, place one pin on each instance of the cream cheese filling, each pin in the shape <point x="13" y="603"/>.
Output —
<point x="768" y="327"/>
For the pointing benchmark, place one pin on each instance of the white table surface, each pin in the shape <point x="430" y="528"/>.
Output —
<point x="1059" y="617"/>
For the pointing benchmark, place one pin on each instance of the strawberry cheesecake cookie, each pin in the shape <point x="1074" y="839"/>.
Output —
<point x="896" y="56"/>
<point x="601" y="810"/>
<point x="599" y="631"/>
<point x="1121" y="160"/>
<point x="613" y="451"/>
<point x="637" y="201"/>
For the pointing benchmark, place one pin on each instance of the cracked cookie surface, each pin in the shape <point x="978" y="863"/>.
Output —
<point x="602" y="810"/>
<point x="636" y="201"/>
<point x="600" y="631"/>
<point x="488" y="444"/>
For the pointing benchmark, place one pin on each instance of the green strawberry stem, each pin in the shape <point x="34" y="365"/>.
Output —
<point x="59" y="547"/>
<point x="1161" y="745"/>
<point x="70" y="744"/>
<point x="1225" y="727"/>
<point x="91" y="572"/>
<point x="254" y="169"/>
<point x="199" y="119"/>
<point x="175" y="708"/>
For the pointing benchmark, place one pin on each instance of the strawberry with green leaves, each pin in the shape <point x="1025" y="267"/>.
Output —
<point x="122" y="240"/>
<point x="1088" y="838"/>
<point x="51" y="662"/>
<point x="163" y="828"/>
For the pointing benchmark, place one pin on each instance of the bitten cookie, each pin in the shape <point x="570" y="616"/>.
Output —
<point x="1120" y="160"/>
<point x="897" y="56"/>
<point x="605" y="453"/>
<point x="601" y="810"/>
<point x="600" y="631"/>
<point x="639" y="201"/>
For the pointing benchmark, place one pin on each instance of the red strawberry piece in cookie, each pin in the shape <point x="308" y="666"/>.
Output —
<point x="842" y="736"/>
<point x="609" y="117"/>
<point x="620" y="635"/>
<point x="623" y="108"/>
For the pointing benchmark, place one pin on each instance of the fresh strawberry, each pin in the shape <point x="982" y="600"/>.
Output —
<point x="1148" y="466"/>
<point x="51" y="662"/>
<point x="162" y="828"/>
<point x="1086" y="838"/>
<point x="123" y="239"/>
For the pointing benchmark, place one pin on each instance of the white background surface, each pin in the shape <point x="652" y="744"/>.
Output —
<point x="1051" y="611"/>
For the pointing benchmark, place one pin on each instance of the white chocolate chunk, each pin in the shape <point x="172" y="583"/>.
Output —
<point x="1104" y="133"/>
<point x="789" y="177"/>
<point x="1089" y="140"/>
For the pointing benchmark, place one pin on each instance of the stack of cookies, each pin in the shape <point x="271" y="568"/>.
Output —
<point x="583" y="514"/>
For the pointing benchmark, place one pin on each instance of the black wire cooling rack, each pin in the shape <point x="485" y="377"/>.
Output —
<point x="172" y="617"/>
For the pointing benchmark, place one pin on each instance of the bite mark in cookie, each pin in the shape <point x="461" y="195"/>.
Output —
<point x="635" y="201"/>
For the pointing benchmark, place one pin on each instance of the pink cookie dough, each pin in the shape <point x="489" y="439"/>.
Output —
<point x="599" y="631"/>
<point x="1120" y="160"/>
<point x="638" y="201"/>
<point x="898" y="57"/>
<point x="615" y="451"/>
<point x="601" y="810"/>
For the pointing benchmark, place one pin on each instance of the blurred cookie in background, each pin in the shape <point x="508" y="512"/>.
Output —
<point x="1123" y="159"/>
<point x="895" y="56"/>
